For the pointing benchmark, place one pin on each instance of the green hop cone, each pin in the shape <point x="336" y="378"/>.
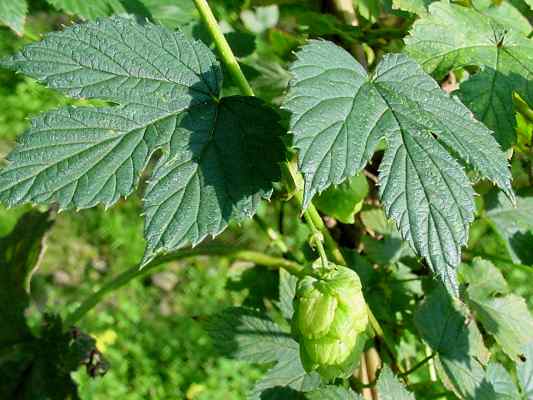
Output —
<point x="330" y="321"/>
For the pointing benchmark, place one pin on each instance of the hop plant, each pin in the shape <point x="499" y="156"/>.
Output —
<point x="330" y="321"/>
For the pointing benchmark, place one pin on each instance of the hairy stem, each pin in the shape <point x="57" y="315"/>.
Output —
<point x="211" y="250"/>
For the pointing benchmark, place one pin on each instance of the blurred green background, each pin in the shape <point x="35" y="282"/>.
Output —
<point x="150" y="331"/>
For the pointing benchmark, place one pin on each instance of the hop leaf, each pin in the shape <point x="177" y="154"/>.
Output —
<point x="339" y="115"/>
<point x="330" y="319"/>
<point x="213" y="168"/>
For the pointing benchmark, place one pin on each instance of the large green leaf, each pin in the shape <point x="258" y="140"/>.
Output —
<point x="443" y="323"/>
<point x="340" y="113"/>
<point x="515" y="226"/>
<point x="13" y="14"/>
<point x="503" y="314"/>
<point x="502" y="12"/>
<point x="214" y="166"/>
<point x="453" y="36"/>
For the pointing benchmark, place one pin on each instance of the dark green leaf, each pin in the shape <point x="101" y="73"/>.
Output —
<point x="214" y="165"/>
<point x="248" y="335"/>
<point x="340" y="113"/>
<point x="19" y="256"/>
<point x="55" y="355"/>
<point x="452" y="37"/>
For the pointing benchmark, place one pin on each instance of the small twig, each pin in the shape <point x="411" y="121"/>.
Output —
<point x="208" y="250"/>
<point x="371" y="176"/>
<point x="417" y="365"/>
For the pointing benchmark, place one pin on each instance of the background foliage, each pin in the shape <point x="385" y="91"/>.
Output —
<point x="154" y="333"/>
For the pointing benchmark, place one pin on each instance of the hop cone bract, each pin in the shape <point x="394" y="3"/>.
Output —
<point x="330" y="321"/>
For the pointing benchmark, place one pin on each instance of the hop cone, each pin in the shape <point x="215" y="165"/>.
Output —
<point x="330" y="320"/>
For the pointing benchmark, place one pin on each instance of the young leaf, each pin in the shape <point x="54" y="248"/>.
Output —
<point x="514" y="225"/>
<point x="344" y="201"/>
<point x="453" y="36"/>
<point x="441" y="321"/>
<point x="340" y="113"/>
<point x="13" y="14"/>
<point x="389" y="388"/>
<point x="214" y="166"/>
<point x="503" y="314"/>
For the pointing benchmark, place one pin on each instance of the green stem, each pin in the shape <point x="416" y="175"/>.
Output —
<point x="418" y="365"/>
<point x="135" y="272"/>
<point x="274" y="235"/>
<point x="223" y="47"/>
<point x="318" y="238"/>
